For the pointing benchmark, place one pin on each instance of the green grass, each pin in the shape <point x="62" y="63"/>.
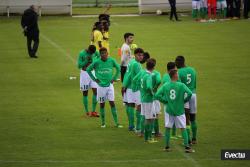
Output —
<point x="40" y="108"/>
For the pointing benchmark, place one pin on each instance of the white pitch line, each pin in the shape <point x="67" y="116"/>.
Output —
<point x="104" y="161"/>
<point x="58" y="47"/>
<point x="195" y="163"/>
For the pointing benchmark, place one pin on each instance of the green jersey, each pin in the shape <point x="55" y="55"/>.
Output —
<point x="174" y="94"/>
<point x="126" y="79"/>
<point x="133" y="68"/>
<point x="85" y="59"/>
<point x="136" y="81"/>
<point x="147" y="88"/>
<point x="104" y="71"/>
<point x="166" y="78"/>
<point x="187" y="75"/>
<point x="156" y="79"/>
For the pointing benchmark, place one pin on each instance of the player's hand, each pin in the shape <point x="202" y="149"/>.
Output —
<point x="112" y="81"/>
<point x="97" y="81"/>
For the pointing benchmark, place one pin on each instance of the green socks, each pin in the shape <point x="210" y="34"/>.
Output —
<point x="148" y="131"/>
<point x="174" y="130"/>
<point x="142" y="123"/>
<point x="156" y="126"/>
<point x="138" y="120"/>
<point x="94" y="102"/>
<point x="102" y="111"/>
<point x="194" y="129"/>
<point x="185" y="137"/>
<point x="114" y="113"/>
<point x="131" y="116"/>
<point x="167" y="136"/>
<point x="188" y="133"/>
<point x="85" y="103"/>
<point x="194" y="13"/>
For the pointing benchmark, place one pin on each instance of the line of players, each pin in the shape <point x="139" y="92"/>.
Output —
<point x="201" y="9"/>
<point x="140" y="91"/>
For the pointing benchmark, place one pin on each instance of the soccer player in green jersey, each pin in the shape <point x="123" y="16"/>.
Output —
<point x="86" y="57"/>
<point x="133" y="96"/>
<point x="166" y="79"/>
<point x="147" y="100"/>
<point x="175" y="94"/>
<point x="187" y="75"/>
<point x="104" y="78"/>
<point x="156" y="81"/>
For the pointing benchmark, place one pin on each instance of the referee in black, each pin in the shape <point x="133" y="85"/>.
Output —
<point x="172" y="4"/>
<point x="31" y="30"/>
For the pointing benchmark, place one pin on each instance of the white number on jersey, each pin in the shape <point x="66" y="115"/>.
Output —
<point x="142" y="83"/>
<point x="188" y="79"/>
<point x="172" y="94"/>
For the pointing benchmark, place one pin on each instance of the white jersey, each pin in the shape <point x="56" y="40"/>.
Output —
<point x="126" y="55"/>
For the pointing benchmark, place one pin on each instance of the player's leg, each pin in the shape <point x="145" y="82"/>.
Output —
<point x="214" y="8"/>
<point x="84" y="87"/>
<point x="93" y="85"/>
<point x="85" y="102"/>
<point x="194" y="10"/>
<point x="193" y="111"/>
<point x="209" y="7"/>
<point x="131" y="108"/>
<point x="101" y="98"/>
<point x="138" y="110"/>
<point x="111" y="99"/>
<point x="224" y="9"/>
<point x="94" y="102"/>
<point x="157" y="110"/>
<point x="138" y="118"/>
<point x="169" y="121"/>
<point x="188" y="127"/>
<point x="180" y="122"/>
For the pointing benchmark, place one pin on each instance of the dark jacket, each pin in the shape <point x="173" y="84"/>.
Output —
<point x="30" y="19"/>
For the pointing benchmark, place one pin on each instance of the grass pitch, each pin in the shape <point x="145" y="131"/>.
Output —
<point x="40" y="108"/>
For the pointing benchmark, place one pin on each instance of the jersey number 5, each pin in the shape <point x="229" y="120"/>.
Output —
<point x="188" y="79"/>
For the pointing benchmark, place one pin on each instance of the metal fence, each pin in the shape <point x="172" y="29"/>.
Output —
<point x="98" y="3"/>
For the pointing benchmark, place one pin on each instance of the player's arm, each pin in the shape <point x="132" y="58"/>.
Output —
<point x="136" y="80"/>
<point x="158" y="81"/>
<point x="118" y="70"/>
<point x="188" y="93"/>
<point x="160" y="95"/>
<point x="91" y="68"/>
<point x="82" y="61"/>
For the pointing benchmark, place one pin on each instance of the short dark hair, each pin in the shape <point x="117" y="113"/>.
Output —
<point x="180" y="61"/>
<point x="172" y="73"/>
<point x="127" y="34"/>
<point x="103" y="49"/>
<point x="150" y="64"/>
<point x="146" y="56"/>
<point x="138" y="50"/>
<point x="91" y="49"/>
<point x="170" y="65"/>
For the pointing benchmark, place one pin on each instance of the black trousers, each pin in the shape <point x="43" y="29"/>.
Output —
<point x="172" y="4"/>
<point x="246" y="8"/>
<point x="230" y="8"/>
<point x="123" y="71"/>
<point x="32" y="36"/>
<point x="237" y="4"/>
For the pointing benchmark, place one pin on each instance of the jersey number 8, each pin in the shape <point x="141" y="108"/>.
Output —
<point x="172" y="94"/>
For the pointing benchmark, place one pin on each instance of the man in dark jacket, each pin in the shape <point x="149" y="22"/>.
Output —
<point x="31" y="30"/>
